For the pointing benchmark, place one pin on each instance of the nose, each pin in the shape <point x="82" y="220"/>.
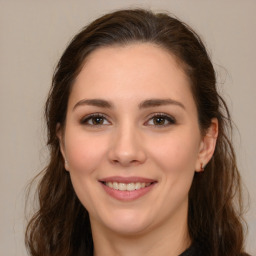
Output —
<point x="127" y="147"/>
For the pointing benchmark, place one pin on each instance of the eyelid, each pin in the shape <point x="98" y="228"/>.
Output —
<point x="168" y="117"/>
<point x="171" y="120"/>
<point x="86" y="118"/>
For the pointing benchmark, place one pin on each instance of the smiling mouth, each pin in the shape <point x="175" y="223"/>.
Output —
<point x="127" y="186"/>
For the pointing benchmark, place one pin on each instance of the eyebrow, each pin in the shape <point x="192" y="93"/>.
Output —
<point x="145" y="104"/>
<point x="94" y="102"/>
<point x="160" y="102"/>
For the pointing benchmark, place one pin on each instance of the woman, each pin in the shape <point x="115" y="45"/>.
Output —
<point x="140" y="156"/>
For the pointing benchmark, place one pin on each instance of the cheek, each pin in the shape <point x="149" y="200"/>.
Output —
<point x="84" y="152"/>
<point x="176" y="153"/>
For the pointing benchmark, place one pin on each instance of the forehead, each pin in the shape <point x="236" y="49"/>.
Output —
<point x="131" y="71"/>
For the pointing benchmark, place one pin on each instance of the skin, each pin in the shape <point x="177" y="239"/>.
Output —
<point x="128" y="141"/>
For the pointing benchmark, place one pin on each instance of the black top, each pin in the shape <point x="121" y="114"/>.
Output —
<point x="196" y="250"/>
<point x="192" y="251"/>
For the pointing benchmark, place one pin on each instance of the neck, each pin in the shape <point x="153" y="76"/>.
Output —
<point x="170" y="239"/>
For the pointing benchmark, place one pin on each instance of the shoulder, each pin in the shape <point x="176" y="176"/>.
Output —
<point x="193" y="250"/>
<point x="197" y="250"/>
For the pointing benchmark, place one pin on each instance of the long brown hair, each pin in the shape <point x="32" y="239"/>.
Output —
<point x="61" y="225"/>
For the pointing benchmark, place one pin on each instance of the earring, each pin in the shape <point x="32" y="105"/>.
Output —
<point x="66" y="165"/>
<point x="201" y="167"/>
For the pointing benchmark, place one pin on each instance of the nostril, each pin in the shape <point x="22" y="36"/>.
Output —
<point x="125" y="162"/>
<point x="126" y="155"/>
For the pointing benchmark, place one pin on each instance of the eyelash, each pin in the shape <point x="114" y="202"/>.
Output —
<point x="86" y="119"/>
<point x="171" y="120"/>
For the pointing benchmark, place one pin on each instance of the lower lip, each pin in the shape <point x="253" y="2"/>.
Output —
<point x="127" y="195"/>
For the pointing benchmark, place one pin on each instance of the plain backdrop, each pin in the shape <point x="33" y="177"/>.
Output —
<point x="33" y="35"/>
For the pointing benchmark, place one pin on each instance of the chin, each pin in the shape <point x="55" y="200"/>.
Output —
<point x="129" y="229"/>
<point x="128" y="223"/>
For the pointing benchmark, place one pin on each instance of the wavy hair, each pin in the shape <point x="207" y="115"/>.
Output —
<point x="61" y="225"/>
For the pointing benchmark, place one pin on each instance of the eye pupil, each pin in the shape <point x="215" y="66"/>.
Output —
<point x="97" y="120"/>
<point x="159" y="120"/>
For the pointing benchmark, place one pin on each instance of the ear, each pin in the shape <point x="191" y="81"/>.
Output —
<point x="207" y="145"/>
<point x="60" y="135"/>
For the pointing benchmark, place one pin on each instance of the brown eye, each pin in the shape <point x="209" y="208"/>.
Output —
<point x="161" y="120"/>
<point x="95" y="120"/>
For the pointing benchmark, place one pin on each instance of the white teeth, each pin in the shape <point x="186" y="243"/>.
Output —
<point x="122" y="186"/>
<point x="127" y="187"/>
<point x="130" y="186"/>
<point x="115" y="185"/>
<point x="109" y="184"/>
<point x="137" y="185"/>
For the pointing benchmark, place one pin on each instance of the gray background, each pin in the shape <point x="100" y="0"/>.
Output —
<point x="33" y="36"/>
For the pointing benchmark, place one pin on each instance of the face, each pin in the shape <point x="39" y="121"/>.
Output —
<point x="131" y="140"/>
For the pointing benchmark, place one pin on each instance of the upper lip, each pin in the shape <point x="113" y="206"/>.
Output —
<point x="121" y="179"/>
